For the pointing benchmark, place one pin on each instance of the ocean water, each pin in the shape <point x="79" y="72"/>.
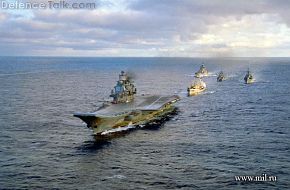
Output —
<point x="231" y="129"/>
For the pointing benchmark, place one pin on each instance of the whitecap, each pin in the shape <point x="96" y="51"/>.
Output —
<point x="119" y="129"/>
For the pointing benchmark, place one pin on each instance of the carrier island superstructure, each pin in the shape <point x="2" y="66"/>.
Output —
<point x="126" y="109"/>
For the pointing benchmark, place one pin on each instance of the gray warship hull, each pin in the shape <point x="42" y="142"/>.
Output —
<point x="221" y="77"/>
<point x="140" y="111"/>
<point x="249" y="79"/>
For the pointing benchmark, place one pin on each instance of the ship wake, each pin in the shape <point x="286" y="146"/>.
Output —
<point x="119" y="129"/>
<point x="152" y="125"/>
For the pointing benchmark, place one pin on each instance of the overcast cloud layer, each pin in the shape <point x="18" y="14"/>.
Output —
<point x="191" y="28"/>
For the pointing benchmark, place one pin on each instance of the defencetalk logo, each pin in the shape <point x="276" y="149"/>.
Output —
<point x="14" y="5"/>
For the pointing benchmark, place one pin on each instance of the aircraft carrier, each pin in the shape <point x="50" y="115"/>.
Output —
<point x="125" y="109"/>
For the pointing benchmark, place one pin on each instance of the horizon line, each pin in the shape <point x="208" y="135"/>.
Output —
<point x="72" y="56"/>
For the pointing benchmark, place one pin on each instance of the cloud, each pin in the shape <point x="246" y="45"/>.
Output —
<point x="2" y="17"/>
<point x="150" y="28"/>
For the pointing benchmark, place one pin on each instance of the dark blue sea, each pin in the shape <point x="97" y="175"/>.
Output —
<point x="231" y="129"/>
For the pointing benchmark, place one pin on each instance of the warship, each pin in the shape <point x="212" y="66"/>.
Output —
<point x="196" y="87"/>
<point x="221" y="77"/>
<point x="202" y="72"/>
<point x="249" y="77"/>
<point x="126" y="110"/>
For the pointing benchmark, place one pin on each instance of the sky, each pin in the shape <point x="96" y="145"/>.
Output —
<point x="149" y="28"/>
